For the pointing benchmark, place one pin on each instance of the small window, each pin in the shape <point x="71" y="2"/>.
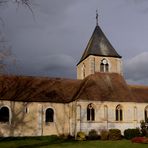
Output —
<point x="146" y="114"/>
<point x="26" y="108"/>
<point x="49" y="117"/>
<point x="104" y="66"/>
<point x="90" y="112"/>
<point x="119" y="113"/>
<point x="4" y="114"/>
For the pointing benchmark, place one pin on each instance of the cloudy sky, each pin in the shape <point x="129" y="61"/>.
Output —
<point x="52" y="42"/>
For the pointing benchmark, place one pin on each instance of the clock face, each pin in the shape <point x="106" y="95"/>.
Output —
<point x="104" y="61"/>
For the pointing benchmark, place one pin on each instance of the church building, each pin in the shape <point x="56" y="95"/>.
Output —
<point x="98" y="99"/>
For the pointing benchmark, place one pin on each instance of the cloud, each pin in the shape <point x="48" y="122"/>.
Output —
<point x="54" y="65"/>
<point x="140" y="5"/>
<point x="136" y="69"/>
<point x="53" y="43"/>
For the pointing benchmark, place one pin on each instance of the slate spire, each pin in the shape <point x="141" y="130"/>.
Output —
<point x="99" y="45"/>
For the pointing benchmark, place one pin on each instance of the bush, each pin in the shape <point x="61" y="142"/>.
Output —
<point x="144" y="128"/>
<point x="114" y="134"/>
<point x="131" y="133"/>
<point x="81" y="136"/>
<point x="93" y="135"/>
<point x="66" y="136"/>
<point x="104" y="134"/>
<point x="140" y="140"/>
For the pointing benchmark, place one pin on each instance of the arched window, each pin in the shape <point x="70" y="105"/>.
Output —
<point x="49" y="117"/>
<point x="146" y="114"/>
<point x="119" y="113"/>
<point x="4" y="114"/>
<point x="90" y="112"/>
<point x="26" y="109"/>
<point x="104" y="66"/>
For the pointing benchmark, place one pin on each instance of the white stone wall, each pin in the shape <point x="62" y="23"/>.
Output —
<point x="33" y="122"/>
<point x="68" y="118"/>
<point x="110" y="122"/>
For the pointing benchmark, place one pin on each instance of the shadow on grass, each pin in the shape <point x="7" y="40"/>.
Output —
<point x="30" y="142"/>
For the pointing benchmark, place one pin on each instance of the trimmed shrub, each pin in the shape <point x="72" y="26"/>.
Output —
<point x="114" y="134"/>
<point x="131" y="133"/>
<point x="81" y="136"/>
<point x="70" y="137"/>
<point x="144" y="128"/>
<point x="104" y="134"/>
<point x="93" y="135"/>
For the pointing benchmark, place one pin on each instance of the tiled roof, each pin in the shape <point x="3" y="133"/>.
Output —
<point x="97" y="87"/>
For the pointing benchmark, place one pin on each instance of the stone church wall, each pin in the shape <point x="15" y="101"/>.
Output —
<point x="28" y="119"/>
<point x="92" y="64"/>
<point x="131" y="118"/>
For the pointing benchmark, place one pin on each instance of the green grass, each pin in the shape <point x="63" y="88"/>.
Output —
<point x="54" y="142"/>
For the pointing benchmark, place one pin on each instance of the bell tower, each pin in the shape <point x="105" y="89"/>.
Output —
<point x="99" y="55"/>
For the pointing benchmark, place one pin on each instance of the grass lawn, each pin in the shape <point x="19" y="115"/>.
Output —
<point x="52" y="142"/>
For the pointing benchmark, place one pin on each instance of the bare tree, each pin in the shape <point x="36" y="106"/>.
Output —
<point x="5" y="51"/>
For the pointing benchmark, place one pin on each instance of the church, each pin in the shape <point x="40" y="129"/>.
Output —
<point x="98" y="99"/>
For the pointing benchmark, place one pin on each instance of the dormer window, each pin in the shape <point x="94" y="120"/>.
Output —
<point x="104" y="66"/>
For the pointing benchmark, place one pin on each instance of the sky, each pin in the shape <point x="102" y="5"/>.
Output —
<point x="51" y="41"/>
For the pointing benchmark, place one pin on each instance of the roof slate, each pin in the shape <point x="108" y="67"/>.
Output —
<point x="99" y="45"/>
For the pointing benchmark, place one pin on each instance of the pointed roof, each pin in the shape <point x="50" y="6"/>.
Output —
<point x="99" y="45"/>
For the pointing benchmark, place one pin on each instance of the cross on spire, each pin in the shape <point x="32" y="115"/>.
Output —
<point x="96" y="17"/>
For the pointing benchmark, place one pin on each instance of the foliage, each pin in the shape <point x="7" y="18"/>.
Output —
<point x="140" y="140"/>
<point x="114" y="134"/>
<point x="104" y="134"/>
<point x="131" y="133"/>
<point x="144" y="128"/>
<point x="66" y="137"/>
<point x="93" y="135"/>
<point x="81" y="136"/>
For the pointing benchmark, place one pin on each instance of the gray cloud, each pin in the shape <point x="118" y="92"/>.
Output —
<point x="136" y="68"/>
<point x="53" y="43"/>
<point x="54" y="65"/>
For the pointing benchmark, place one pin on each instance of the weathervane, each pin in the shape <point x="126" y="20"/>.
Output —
<point x="96" y="17"/>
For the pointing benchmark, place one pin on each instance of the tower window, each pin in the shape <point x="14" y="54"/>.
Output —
<point x="4" y="114"/>
<point x="119" y="113"/>
<point x="104" y="66"/>
<point x="146" y="114"/>
<point x="90" y="112"/>
<point x="49" y="116"/>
